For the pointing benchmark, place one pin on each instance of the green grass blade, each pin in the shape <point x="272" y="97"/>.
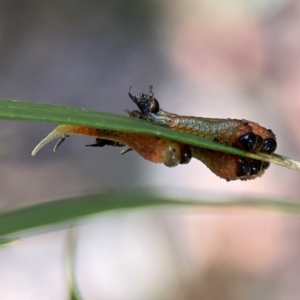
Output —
<point x="73" y="209"/>
<point x="41" y="112"/>
<point x="74" y="293"/>
<point x="6" y="242"/>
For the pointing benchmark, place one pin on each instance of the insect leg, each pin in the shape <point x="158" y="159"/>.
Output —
<point x="103" y="142"/>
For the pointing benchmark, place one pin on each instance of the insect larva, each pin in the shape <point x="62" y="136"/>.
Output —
<point x="242" y="134"/>
<point x="160" y="150"/>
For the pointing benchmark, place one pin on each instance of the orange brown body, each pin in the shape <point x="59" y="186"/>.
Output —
<point x="242" y="134"/>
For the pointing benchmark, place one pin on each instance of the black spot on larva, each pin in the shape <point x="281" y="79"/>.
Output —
<point x="255" y="166"/>
<point x="248" y="141"/>
<point x="243" y="168"/>
<point x="186" y="155"/>
<point x="270" y="145"/>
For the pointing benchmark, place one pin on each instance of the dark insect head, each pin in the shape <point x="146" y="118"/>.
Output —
<point x="146" y="103"/>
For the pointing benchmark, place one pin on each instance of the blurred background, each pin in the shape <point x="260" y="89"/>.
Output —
<point x="217" y="58"/>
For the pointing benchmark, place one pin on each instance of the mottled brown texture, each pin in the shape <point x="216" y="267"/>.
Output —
<point x="151" y="148"/>
<point x="154" y="149"/>
<point x="159" y="150"/>
<point x="262" y="131"/>
<point x="224" y="165"/>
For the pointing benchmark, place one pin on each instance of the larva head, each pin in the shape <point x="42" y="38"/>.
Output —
<point x="146" y="103"/>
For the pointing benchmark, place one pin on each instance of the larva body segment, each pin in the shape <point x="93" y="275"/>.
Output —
<point x="242" y="134"/>
<point x="228" y="166"/>
<point x="223" y="131"/>
<point x="151" y="148"/>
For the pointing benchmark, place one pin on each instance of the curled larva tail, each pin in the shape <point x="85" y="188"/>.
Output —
<point x="55" y="134"/>
<point x="61" y="132"/>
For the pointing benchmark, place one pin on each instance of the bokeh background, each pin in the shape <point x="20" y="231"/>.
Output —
<point x="214" y="58"/>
